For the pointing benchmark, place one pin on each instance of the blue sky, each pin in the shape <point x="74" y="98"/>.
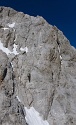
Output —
<point x="61" y="13"/>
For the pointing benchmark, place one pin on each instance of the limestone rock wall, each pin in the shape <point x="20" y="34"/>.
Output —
<point x="37" y="69"/>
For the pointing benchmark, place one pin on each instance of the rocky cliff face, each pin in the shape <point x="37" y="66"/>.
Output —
<point x="37" y="72"/>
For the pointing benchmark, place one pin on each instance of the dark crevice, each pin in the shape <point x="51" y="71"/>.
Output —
<point x="6" y="92"/>
<point x="52" y="97"/>
<point x="31" y="103"/>
<point x="20" y="110"/>
<point x="26" y="123"/>
<point x="52" y="76"/>
<point x="1" y="26"/>
<point x="13" y="89"/>
<point x="29" y="77"/>
<point x="4" y="74"/>
<point x="57" y="39"/>
<point x="10" y="103"/>
<point x="8" y="37"/>
<point x="9" y="92"/>
<point x="1" y="9"/>
<point x="13" y="76"/>
<point x="56" y="30"/>
<point x="58" y="44"/>
<point x="8" y="12"/>
<point x="9" y="65"/>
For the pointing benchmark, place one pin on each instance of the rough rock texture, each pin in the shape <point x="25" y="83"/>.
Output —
<point x="42" y="75"/>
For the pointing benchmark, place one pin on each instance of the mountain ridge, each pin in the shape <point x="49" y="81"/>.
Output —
<point x="39" y="67"/>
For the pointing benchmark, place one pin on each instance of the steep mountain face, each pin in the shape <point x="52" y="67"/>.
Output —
<point x="37" y="72"/>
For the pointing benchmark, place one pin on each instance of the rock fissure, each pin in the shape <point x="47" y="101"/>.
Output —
<point x="50" y="102"/>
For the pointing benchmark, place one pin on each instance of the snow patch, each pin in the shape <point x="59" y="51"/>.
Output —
<point x="4" y="49"/>
<point x="7" y="51"/>
<point x="19" y="77"/>
<point x="5" y="28"/>
<point x="18" y="98"/>
<point x="32" y="117"/>
<point x="11" y="64"/>
<point x="14" y="49"/>
<point x="60" y="57"/>
<point x="59" y="49"/>
<point x="11" y="25"/>
<point x="24" y="49"/>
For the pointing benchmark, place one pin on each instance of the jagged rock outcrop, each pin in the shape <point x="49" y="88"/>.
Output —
<point x="37" y="69"/>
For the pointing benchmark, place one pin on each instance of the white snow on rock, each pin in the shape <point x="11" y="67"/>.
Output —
<point x="4" y="49"/>
<point x="60" y="57"/>
<point x="14" y="49"/>
<point x="59" y="49"/>
<point x="33" y="118"/>
<point x="11" y="64"/>
<point x="11" y="25"/>
<point x="5" y="28"/>
<point x="19" y="77"/>
<point x="18" y="98"/>
<point x="7" y="51"/>
<point x="24" y="49"/>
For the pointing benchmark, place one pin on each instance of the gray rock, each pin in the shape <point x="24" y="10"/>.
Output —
<point x="39" y="69"/>
<point x="3" y="66"/>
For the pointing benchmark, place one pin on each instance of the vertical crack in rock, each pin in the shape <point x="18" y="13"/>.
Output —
<point x="13" y="81"/>
<point x="59" y="51"/>
<point x="4" y="74"/>
<point x="50" y="102"/>
<point x="29" y="76"/>
<point x="10" y="91"/>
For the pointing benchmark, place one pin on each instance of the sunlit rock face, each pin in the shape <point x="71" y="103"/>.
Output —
<point x="37" y="72"/>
